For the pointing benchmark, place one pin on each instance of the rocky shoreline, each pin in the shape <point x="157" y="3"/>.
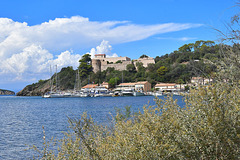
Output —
<point x="6" y="92"/>
<point x="37" y="89"/>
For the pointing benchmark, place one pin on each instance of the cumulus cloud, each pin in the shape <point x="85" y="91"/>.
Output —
<point x="33" y="63"/>
<point x="27" y="51"/>
<point x="65" y="59"/>
<point x="103" y="48"/>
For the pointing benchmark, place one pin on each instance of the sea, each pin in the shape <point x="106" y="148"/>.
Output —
<point x="22" y="118"/>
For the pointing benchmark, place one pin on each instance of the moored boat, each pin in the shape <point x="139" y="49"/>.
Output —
<point x="128" y="92"/>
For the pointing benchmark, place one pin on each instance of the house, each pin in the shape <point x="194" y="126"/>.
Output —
<point x="169" y="87"/>
<point x="137" y="86"/>
<point x="89" y="86"/>
<point x="105" y="84"/>
<point x="123" y="86"/>
<point x="200" y="81"/>
<point x="143" y="86"/>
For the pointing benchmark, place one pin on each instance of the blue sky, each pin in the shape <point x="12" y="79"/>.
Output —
<point x="37" y="34"/>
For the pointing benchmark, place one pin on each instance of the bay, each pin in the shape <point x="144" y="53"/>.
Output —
<point x="22" y="118"/>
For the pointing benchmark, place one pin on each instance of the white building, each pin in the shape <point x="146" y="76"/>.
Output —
<point x="200" y="81"/>
<point x="169" y="87"/>
<point x="144" y="86"/>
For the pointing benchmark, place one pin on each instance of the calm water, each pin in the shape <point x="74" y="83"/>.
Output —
<point x="22" y="118"/>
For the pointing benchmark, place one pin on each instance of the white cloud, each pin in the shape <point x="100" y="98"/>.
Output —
<point x="65" y="59"/>
<point x="29" y="50"/>
<point x="33" y="63"/>
<point x="177" y="39"/>
<point x="103" y="48"/>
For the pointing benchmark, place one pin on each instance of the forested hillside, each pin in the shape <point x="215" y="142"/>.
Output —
<point x="178" y="67"/>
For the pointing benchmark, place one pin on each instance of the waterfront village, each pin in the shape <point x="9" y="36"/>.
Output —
<point x="142" y="88"/>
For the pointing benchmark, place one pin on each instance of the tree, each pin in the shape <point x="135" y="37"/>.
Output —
<point x="151" y="67"/>
<point x="143" y="56"/>
<point x="119" y="61"/>
<point x="139" y="66"/>
<point x="131" y="68"/>
<point x="162" y="70"/>
<point x="113" y="82"/>
<point x="85" y="67"/>
<point x="180" y="81"/>
<point x="186" y="48"/>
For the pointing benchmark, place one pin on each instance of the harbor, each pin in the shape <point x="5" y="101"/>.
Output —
<point x="124" y="89"/>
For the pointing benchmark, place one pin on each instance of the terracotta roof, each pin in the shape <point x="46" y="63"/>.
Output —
<point x="105" y="83"/>
<point x="165" y="84"/>
<point x="142" y="82"/>
<point x="127" y="84"/>
<point x="100" y="54"/>
<point x="196" y="78"/>
<point x="90" y="86"/>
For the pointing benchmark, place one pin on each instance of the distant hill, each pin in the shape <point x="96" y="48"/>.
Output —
<point x="66" y="80"/>
<point x="6" y="92"/>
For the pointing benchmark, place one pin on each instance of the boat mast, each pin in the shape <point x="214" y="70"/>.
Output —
<point x="79" y="80"/>
<point x="56" y="79"/>
<point x="76" y="81"/>
<point x="51" y="83"/>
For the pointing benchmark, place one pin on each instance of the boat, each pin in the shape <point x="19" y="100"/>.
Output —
<point x="67" y="94"/>
<point x="138" y="93"/>
<point x="57" y="94"/>
<point x="116" y="94"/>
<point x="52" y="94"/>
<point x="127" y="92"/>
<point x="157" y="94"/>
<point x="47" y="95"/>
<point x="101" y="92"/>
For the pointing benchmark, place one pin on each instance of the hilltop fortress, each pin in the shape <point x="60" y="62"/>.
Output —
<point x="100" y="62"/>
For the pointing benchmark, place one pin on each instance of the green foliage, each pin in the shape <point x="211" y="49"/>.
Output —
<point x="162" y="70"/>
<point x="119" y="61"/>
<point x="131" y="68"/>
<point x="66" y="78"/>
<point x="41" y="81"/>
<point x="85" y="67"/>
<point x="113" y="82"/>
<point x="144" y="56"/>
<point x="109" y="62"/>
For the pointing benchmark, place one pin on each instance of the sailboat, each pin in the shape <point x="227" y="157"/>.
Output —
<point x="77" y="88"/>
<point x="48" y="94"/>
<point x="52" y="94"/>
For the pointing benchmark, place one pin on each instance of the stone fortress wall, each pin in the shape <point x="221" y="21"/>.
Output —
<point x="101" y="62"/>
<point x="145" y="61"/>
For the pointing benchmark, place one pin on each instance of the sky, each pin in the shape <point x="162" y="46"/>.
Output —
<point x="35" y="35"/>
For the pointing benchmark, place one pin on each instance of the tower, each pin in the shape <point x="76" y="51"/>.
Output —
<point x="96" y="64"/>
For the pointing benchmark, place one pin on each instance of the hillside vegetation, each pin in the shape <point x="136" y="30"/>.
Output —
<point x="177" y="67"/>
